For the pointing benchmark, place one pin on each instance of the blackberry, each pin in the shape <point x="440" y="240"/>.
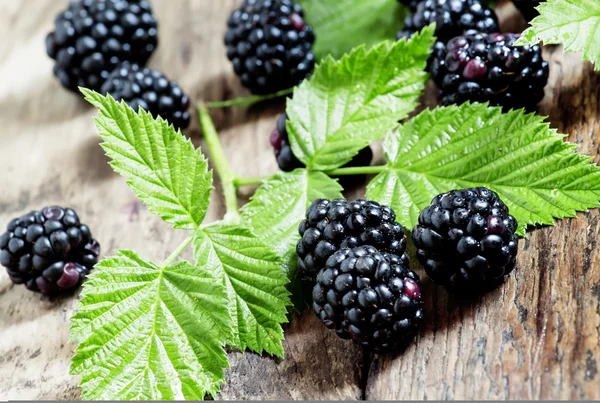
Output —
<point x="151" y="90"/>
<point x="466" y="240"/>
<point x="528" y="8"/>
<point x="370" y="297"/>
<point x="287" y="161"/>
<point x="452" y="18"/>
<point x="490" y="68"/>
<point x="332" y="225"/>
<point x="92" y="37"/>
<point x="270" y="45"/>
<point x="49" y="251"/>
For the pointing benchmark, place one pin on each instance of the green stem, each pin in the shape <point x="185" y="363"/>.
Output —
<point x="177" y="251"/>
<point x="357" y="170"/>
<point x="257" y="180"/>
<point x="248" y="101"/>
<point x="219" y="161"/>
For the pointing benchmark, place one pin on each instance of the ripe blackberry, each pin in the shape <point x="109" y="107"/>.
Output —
<point x="150" y="90"/>
<point x="92" y="37"/>
<point x="452" y="18"/>
<point x="370" y="297"/>
<point x="270" y="45"/>
<point x="332" y="225"/>
<point x="527" y="8"/>
<point x="287" y="161"/>
<point x="466" y="240"/>
<point x="481" y="67"/>
<point x="49" y="251"/>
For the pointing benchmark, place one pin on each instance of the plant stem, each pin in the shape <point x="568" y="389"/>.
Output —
<point x="219" y="161"/>
<point x="248" y="101"/>
<point x="357" y="170"/>
<point x="177" y="251"/>
<point x="249" y="180"/>
<point x="257" y="180"/>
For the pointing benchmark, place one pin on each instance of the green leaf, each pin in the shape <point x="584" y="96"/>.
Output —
<point x="149" y="332"/>
<point x="536" y="174"/>
<point x="277" y="208"/>
<point x="160" y="165"/>
<point x="255" y="284"/>
<point x="350" y="102"/>
<point x="341" y="25"/>
<point x="573" y="23"/>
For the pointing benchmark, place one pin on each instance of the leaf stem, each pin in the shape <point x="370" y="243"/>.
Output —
<point x="249" y="100"/>
<point x="177" y="251"/>
<point x="257" y="180"/>
<point x="219" y="161"/>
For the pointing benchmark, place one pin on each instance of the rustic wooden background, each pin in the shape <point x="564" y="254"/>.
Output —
<point x="536" y="337"/>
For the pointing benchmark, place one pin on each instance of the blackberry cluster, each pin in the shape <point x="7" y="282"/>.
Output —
<point x="49" y="251"/>
<point x="490" y="68"/>
<point x="92" y="37"/>
<point x="333" y="225"/>
<point x="527" y="8"/>
<point x="466" y="240"/>
<point x="270" y="45"/>
<point x="369" y="296"/>
<point x="150" y="90"/>
<point x="452" y="18"/>
<point x="287" y="161"/>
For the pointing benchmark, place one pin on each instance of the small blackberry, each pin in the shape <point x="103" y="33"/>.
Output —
<point x="481" y="67"/>
<point x="370" y="297"/>
<point x="527" y="8"/>
<point x="150" y="90"/>
<point x="466" y="240"/>
<point x="287" y="161"/>
<point x="452" y="18"/>
<point x="270" y="45"/>
<point x="332" y="225"/>
<point x="92" y="37"/>
<point x="49" y="251"/>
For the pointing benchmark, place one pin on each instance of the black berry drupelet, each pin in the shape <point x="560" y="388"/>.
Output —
<point x="466" y="240"/>
<point x="332" y="225"/>
<point x="270" y="45"/>
<point x="370" y="297"/>
<point x="287" y="161"/>
<point x="92" y="37"/>
<point x="150" y="90"/>
<point x="481" y="67"/>
<point x="452" y="18"/>
<point x="49" y="251"/>
<point x="527" y="8"/>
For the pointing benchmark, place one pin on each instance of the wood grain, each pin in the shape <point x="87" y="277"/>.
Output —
<point x="536" y="337"/>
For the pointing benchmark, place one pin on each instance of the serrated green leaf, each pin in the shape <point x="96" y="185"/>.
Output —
<point x="341" y="25"/>
<point x="350" y="102"/>
<point x="148" y="332"/>
<point x="161" y="166"/>
<point x="536" y="174"/>
<point x="255" y="284"/>
<point x="277" y="208"/>
<point x="573" y="23"/>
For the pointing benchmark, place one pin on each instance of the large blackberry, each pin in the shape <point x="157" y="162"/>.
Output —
<point x="150" y="90"/>
<point x="452" y="18"/>
<point x="93" y="36"/>
<point x="49" y="251"/>
<point x="527" y="8"/>
<point x="287" y="161"/>
<point x="270" y="45"/>
<point x="369" y="296"/>
<point x="466" y="240"/>
<point x="489" y="68"/>
<point x="332" y="225"/>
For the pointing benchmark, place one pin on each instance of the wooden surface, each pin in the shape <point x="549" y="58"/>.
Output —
<point x="536" y="337"/>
